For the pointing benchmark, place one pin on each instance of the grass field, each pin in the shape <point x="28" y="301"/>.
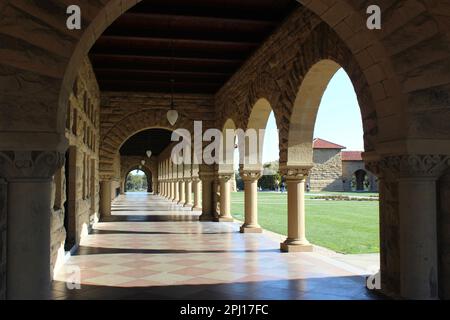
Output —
<point x="342" y="226"/>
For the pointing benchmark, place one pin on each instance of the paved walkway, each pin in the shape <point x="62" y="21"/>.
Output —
<point x="152" y="249"/>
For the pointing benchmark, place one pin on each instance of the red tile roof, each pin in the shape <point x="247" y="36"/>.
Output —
<point x="351" y="156"/>
<point x="324" y="144"/>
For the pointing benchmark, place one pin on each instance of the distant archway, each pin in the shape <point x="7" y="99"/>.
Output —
<point x="138" y="180"/>
<point x="360" y="180"/>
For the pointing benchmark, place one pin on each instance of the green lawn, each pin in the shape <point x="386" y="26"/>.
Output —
<point x="343" y="226"/>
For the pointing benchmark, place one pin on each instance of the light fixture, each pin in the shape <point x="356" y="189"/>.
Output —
<point x="143" y="162"/>
<point x="137" y="171"/>
<point x="172" y="114"/>
<point x="149" y="153"/>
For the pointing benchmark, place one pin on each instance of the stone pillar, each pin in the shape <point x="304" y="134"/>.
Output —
<point x="197" y="183"/>
<point x="105" y="198"/>
<point x="207" y="178"/>
<point x="29" y="199"/>
<point x="250" y="178"/>
<point x="171" y="190"/>
<point x="122" y="187"/>
<point x="408" y="224"/>
<point x="176" y="195"/>
<point x="296" y="240"/>
<point x="188" y="193"/>
<point x="181" y="193"/>
<point x="225" y="198"/>
<point x="418" y="175"/>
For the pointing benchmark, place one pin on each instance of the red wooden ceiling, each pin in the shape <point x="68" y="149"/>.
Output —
<point x="199" y="44"/>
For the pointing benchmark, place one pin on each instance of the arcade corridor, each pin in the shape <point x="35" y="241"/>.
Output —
<point x="152" y="249"/>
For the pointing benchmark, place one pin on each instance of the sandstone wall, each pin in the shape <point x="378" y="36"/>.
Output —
<point x="125" y="114"/>
<point x="83" y="134"/>
<point x="326" y="175"/>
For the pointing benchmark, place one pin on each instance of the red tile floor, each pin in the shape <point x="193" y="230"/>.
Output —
<point x="152" y="249"/>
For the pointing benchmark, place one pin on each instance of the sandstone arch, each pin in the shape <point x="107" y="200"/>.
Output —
<point x="130" y="125"/>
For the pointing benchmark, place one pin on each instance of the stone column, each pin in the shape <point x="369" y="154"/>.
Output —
<point x="171" y="190"/>
<point x="408" y="224"/>
<point x="207" y="178"/>
<point x="105" y="198"/>
<point x="250" y="178"/>
<point x="417" y="179"/>
<point x="188" y="193"/>
<point x="176" y="195"/>
<point x="122" y="187"/>
<point x="296" y="240"/>
<point x="225" y="198"/>
<point x="29" y="199"/>
<point x="197" y="183"/>
<point x="181" y="193"/>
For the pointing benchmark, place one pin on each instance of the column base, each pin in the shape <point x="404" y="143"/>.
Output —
<point x="206" y="218"/>
<point x="224" y="219"/>
<point x="245" y="229"/>
<point x="197" y="208"/>
<point x="285" y="247"/>
<point x="187" y="205"/>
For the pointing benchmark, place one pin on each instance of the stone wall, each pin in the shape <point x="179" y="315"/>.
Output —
<point x="326" y="175"/>
<point x="125" y="114"/>
<point x="83" y="134"/>
<point x="3" y="222"/>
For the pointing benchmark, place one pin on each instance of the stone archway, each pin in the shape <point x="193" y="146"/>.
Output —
<point x="304" y="113"/>
<point x="402" y="76"/>
<point x="134" y="123"/>
<point x="360" y="179"/>
<point x="148" y="176"/>
<point x="130" y="163"/>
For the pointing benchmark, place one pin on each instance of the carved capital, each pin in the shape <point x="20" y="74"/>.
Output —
<point x="296" y="173"/>
<point x="30" y="164"/>
<point x="225" y="177"/>
<point x="417" y="166"/>
<point x="250" y="175"/>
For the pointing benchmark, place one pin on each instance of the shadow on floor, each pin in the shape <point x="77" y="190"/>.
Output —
<point x="153" y="218"/>
<point x="337" y="288"/>
<point x="106" y="232"/>
<point x="83" y="250"/>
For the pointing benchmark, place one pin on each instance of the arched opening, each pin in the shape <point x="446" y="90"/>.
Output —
<point x="360" y="182"/>
<point x="137" y="181"/>
<point x="326" y="120"/>
<point x="258" y="176"/>
<point x="398" y="89"/>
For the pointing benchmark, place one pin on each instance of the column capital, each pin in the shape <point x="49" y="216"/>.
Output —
<point x="225" y="176"/>
<point x="250" y="175"/>
<point x="411" y="166"/>
<point x="17" y="165"/>
<point x="296" y="172"/>
<point x="207" y="176"/>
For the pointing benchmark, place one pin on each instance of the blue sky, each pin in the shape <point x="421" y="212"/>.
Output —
<point x="338" y="120"/>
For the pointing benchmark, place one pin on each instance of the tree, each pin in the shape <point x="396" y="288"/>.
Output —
<point x="136" y="182"/>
